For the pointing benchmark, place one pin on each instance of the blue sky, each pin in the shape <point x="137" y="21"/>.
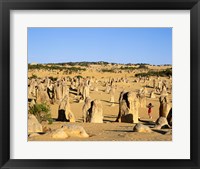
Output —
<point x="118" y="45"/>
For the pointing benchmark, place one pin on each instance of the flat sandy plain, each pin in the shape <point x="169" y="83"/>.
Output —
<point x="109" y="130"/>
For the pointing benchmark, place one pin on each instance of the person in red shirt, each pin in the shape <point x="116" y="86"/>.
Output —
<point x="149" y="110"/>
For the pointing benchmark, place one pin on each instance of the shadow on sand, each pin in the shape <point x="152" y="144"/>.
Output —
<point x="109" y="102"/>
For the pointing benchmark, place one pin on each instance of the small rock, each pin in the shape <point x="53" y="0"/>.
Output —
<point x="46" y="129"/>
<point x="141" y="128"/>
<point x="75" y="131"/>
<point x="160" y="122"/>
<point x="33" y="135"/>
<point x="33" y="125"/>
<point x="169" y="132"/>
<point x="59" y="134"/>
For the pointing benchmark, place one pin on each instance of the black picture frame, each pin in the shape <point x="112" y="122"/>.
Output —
<point x="7" y="5"/>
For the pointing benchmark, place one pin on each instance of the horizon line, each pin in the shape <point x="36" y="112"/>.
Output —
<point x="98" y="62"/>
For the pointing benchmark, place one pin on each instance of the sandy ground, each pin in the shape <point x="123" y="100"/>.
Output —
<point x="109" y="130"/>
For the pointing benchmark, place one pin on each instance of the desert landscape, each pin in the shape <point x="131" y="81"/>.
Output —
<point x="99" y="101"/>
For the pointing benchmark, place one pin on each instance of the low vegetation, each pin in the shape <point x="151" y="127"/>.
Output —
<point x="124" y="68"/>
<point x="86" y="64"/>
<point x="108" y="70"/>
<point x="78" y="67"/>
<point x="162" y="73"/>
<point x="33" y="76"/>
<point x="79" y="76"/>
<point x="41" y="112"/>
<point x="55" y="67"/>
<point x="53" y="78"/>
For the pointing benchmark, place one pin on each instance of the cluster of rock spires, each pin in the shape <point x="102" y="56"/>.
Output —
<point x="46" y="90"/>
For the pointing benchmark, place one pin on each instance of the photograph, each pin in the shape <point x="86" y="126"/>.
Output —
<point x="92" y="84"/>
<point x="99" y="84"/>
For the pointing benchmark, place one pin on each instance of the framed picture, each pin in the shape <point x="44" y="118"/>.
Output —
<point x="93" y="84"/>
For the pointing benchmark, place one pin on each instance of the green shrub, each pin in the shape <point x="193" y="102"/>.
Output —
<point x="33" y="76"/>
<point x="50" y="121"/>
<point x="41" y="112"/>
<point x="142" y="66"/>
<point x="75" y="69"/>
<point x="167" y="72"/>
<point x="108" y="70"/>
<point x="86" y="64"/>
<point x="53" y="78"/>
<point x="71" y="63"/>
<point x="130" y="68"/>
<point x="79" y="76"/>
<point x="127" y="68"/>
<point x="56" y="67"/>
